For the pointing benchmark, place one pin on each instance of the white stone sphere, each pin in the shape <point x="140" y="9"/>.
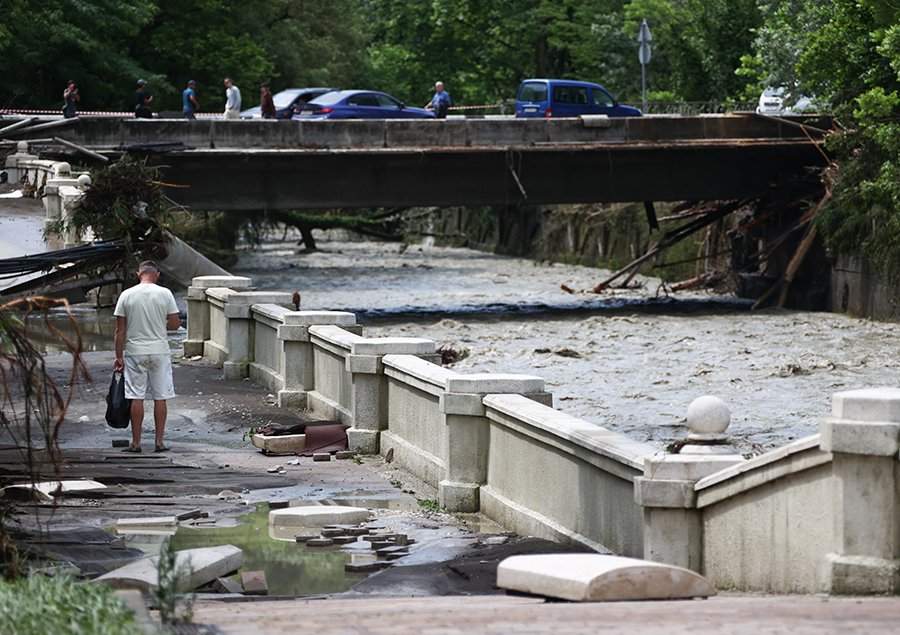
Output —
<point x="63" y="168"/>
<point x="708" y="415"/>
<point x="84" y="180"/>
<point x="22" y="147"/>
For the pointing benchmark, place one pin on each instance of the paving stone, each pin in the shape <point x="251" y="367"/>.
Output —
<point x="344" y="540"/>
<point x="366" y="567"/>
<point x="303" y="538"/>
<point x="594" y="577"/>
<point x="194" y="513"/>
<point x="332" y="530"/>
<point x="198" y="567"/>
<point x="46" y="490"/>
<point x="279" y="444"/>
<point x="254" y="583"/>
<point x="402" y="539"/>
<point x="496" y="540"/>
<point x="344" y="454"/>
<point x="154" y="521"/>
<point x="120" y="443"/>
<point x="395" y="549"/>
<point x="321" y="456"/>
<point x="316" y="516"/>
<point x="379" y="544"/>
<point x="319" y="542"/>
<point x="396" y="555"/>
<point x="227" y="585"/>
<point x="279" y="504"/>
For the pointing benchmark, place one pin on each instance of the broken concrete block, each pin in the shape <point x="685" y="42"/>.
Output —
<point x="317" y="516"/>
<point x="319" y="542"/>
<point x="366" y="567"/>
<point x="496" y="540"/>
<point x="384" y="551"/>
<point x="227" y="585"/>
<point x="46" y="490"/>
<point x="331" y="531"/>
<point x="582" y="577"/>
<point x="150" y="522"/>
<point x="344" y="454"/>
<point x="197" y="567"/>
<point x="396" y="555"/>
<point x="254" y="583"/>
<point x="321" y="456"/>
<point x="275" y="469"/>
<point x="283" y="444"/>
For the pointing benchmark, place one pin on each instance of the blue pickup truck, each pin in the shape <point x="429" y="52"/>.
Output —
<point x="567" y="98"/>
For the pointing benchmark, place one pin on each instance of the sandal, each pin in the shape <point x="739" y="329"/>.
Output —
<point x="162" y="448"/>
<point x="135" y="449"/>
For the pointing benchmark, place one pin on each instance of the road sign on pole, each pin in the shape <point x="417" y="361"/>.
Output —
<point x="644" y="55"/>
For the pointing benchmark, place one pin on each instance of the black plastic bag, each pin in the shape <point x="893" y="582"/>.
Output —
<point x="118" y="409"/>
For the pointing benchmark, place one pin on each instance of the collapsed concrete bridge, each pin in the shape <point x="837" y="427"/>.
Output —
<point x="269" y="165"/>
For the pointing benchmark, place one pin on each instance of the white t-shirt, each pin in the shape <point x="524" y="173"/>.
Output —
<point x="232" y="98"/>
<point x="145" y="307"/>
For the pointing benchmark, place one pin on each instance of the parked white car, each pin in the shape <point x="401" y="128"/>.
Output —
<point x="777" y="102"/>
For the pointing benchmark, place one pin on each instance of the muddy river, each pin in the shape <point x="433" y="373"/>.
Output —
<point x="630" y="361"/>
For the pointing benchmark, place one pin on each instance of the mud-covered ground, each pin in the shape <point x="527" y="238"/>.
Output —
<point x="631" y="361"/>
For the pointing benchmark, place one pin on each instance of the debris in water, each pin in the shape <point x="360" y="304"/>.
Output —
<point x="451" y="355"/>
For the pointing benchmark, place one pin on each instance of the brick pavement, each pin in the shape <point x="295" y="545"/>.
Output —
<point x="498" y="614"/>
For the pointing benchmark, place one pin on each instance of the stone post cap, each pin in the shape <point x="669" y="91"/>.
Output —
<point x="22" y="147"/>
<point x="62" y="169"/>
<point x="867" y="404"/>
<point x="392" y="346"/>
<point x="84" y="181"/>
<point x="228" y="282"/>
<point x="708" y="418"/>
<point x="487" y="383"/>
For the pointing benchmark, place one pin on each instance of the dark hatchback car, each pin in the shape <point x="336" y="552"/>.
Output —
<point x="360" y="104"/>
<point x="568" y="98"/>
<point x="288" y="102"/>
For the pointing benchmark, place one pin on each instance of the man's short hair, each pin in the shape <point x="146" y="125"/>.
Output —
<point x="148" y="266"/>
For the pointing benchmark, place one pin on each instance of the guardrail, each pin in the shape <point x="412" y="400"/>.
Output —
<point x="820" y="514"/>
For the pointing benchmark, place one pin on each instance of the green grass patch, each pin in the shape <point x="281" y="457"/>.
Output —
<point x="40" y="605"/>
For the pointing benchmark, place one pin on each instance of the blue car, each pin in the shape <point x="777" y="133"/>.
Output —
<point x="568" y="98"/>
<point x="360" y="104"/>
<point x="287" y="102"/>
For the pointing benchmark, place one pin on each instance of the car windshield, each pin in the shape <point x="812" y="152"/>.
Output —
<point x="533" y="91"/>
<point x="285" y="98"/>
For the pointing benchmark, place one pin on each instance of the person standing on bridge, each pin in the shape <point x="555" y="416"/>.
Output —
<point x="142" y="100"/>
<point x="143" y="314"/>
<point x="71" y="97"/>
<point x="266" y="102"/>
<point x="232" y="100"/>
<point x="189" y="103"/>
<point x="441" y="101"/>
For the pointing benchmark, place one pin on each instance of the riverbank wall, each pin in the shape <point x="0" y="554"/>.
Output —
<point x="493" y="443"/>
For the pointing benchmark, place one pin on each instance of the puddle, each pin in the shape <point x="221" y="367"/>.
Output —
<point x="291" y="568"/>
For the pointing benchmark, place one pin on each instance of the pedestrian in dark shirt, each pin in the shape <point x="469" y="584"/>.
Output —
<point x="266" y="103"/>
<point x="441" y="101"/>
<point x="189" y="103"/>
<point x="71" y="99"/>
<point x="142" y="99"/>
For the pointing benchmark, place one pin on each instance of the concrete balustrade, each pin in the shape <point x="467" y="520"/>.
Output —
<point x="819" y="514"/>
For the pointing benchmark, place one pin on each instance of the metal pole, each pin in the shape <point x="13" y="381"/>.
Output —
<point x="644" y="87"/>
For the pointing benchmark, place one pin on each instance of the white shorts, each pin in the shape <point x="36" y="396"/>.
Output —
<point x="148" y="377"/>
<point x="232" y="114"/>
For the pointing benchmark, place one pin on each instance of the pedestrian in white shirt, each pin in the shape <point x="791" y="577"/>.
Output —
<point x="232" y="100"/>
<point x="143" y="314"/>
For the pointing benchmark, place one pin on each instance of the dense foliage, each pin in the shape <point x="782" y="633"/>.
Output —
<point x="39" y="605"/>
<point x="844" y="53"/>
<point x="481" y="49"/>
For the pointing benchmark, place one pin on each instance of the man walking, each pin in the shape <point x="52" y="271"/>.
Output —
<point x="189" y="103"/>
<point x="441" y="101"/>
<point x="143" y="314"/>
<point x="71" y="97"/>
<point x="232" y="100"/>
<point x="142" y="100"/>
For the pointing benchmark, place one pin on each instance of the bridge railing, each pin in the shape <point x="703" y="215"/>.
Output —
<point x="819" y="514"/>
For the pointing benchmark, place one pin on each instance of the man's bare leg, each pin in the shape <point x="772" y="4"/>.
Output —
<point x="137" y="421"/>
<point x="160" y="412"/>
